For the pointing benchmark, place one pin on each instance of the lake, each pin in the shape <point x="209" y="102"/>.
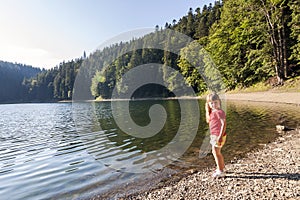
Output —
<point x="76" y="151"/>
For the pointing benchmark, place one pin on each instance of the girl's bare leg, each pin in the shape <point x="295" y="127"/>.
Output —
<point x="219" y="159"/>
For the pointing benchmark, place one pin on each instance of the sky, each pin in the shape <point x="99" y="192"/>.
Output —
<point x="44" y="33"/>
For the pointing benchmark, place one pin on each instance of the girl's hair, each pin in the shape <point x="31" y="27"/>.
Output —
<point x="213" y="97"/>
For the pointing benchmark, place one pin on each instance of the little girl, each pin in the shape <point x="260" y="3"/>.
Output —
<point x="216" y="118"/>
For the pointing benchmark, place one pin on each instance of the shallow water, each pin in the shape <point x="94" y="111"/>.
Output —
<point x="65" y="150"/>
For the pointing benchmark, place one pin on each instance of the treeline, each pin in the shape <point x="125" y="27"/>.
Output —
<point x="11" y="77"/>
<point x="102" y="69"/>
<point x="54" y="84"/>
<point x="255" y="40"/>
<point x="196" y="24"/>
<point x="249" y="41"/>
<point x="22" y="83"/>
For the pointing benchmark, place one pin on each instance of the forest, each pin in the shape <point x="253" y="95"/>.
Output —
<point x="12" y="76"/>
<point x="249" y="41"/>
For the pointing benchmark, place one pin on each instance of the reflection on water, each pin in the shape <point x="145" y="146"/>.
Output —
<point x="50" y="151"/>
<point x="133" y="154"/>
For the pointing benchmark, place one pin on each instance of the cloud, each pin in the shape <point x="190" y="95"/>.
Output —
<point x="36" y="57"/>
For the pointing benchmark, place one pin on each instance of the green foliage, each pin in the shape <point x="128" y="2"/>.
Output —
<point x="53" y="84"/>
<point x="248" y="41"/>
<point x="295" y="30"/>
<point x="242" y="45"/>
<point x="12" y="75"/>
<point x="188" y="70"/>
<point x="191" y="25"/>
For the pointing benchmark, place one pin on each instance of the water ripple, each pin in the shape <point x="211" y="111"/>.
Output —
<point x="44" y="155"/>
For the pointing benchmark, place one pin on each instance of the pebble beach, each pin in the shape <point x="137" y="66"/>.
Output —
<point x="271" y="172"/>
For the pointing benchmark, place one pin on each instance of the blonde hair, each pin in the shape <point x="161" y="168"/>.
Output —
<point x="213" y="97"/>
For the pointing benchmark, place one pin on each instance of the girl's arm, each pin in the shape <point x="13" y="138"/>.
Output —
<point x="223" y="128"/>
<point x="207" y="112"/>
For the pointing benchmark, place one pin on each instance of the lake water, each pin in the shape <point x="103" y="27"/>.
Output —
<point x="75" y="151"/>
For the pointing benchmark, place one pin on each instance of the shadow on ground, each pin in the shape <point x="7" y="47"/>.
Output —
<point x="256" y="175"/>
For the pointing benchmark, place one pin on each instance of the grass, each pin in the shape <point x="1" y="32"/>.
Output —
<point x="258" y="87"/>
<point x="290" y="85"/>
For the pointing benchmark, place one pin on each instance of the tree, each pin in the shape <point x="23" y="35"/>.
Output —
<point x="190" y="27"/>
<point x="276" y="14"/>
<point x="12" y="80"/>
<point x="239" y="44"/>
<point x="295" y="29"/>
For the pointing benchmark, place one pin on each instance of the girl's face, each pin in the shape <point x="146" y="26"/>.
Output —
<point x="214" y="104"/>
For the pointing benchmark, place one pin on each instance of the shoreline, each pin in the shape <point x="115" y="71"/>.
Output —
<point x="270" y="172"/>
<point x="265" y="96"/>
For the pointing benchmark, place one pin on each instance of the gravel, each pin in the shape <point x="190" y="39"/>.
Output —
<point x="269" y="173"/>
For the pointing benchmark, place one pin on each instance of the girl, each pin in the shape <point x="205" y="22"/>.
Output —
<point x="216" y="118"/>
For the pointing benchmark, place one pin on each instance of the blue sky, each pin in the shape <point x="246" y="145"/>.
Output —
<point x="44" y="33"/>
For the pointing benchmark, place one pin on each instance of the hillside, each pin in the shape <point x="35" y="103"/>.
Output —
<point x="249" y="43"/>
<point x="11" y="78"/>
